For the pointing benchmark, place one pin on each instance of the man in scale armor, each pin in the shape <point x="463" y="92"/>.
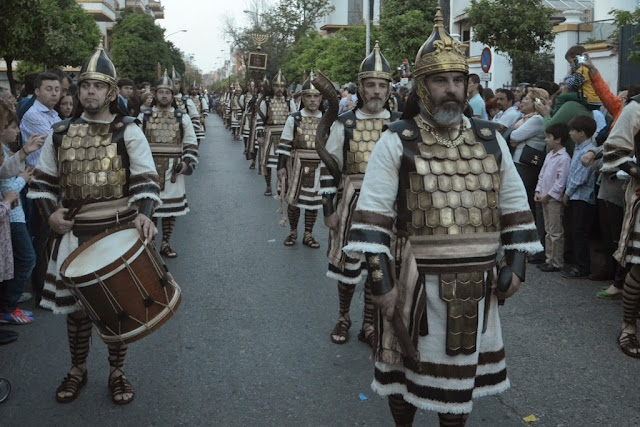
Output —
<point x="174" y="147"/>
<point x="274" y="111"/>
<point x="351" y="139"/>
<point x="97" y="166"/>
<point x="299" y="165"/>
<point x="441" y="197"/>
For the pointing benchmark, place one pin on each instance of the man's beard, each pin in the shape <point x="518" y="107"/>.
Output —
<point x="95" y="107"/>
<point x="162" y="104"/>
<point x="447" y="116"/>
<point x="374" y="106"/>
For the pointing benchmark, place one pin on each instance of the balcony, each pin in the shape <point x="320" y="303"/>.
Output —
<point x="101" y="11"/>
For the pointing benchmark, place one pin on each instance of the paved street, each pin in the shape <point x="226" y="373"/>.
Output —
<point x="250" y="344"/>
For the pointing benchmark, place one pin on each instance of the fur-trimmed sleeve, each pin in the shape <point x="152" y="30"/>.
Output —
<point x="284" y="147"/>
<point x="143" y="181"/>
<point x="372" y="226"/>
<point x="518" y="228"/>
<point x="189" y="141"/>
<point x="619" y="147"/>
<point x="44" y="182"/>
<point x="335" y="147"/>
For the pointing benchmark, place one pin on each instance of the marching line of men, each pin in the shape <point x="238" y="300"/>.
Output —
<point x="403" y="197"/>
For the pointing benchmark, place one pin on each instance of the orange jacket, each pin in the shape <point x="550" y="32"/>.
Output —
<point x="611" y="102"/>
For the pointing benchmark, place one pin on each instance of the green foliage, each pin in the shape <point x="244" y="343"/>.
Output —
<point x="28" y="67"/>
<point x="494" y="25"/>
<point x="338" y="56"/>
<point x="138" y="45"/>
<point x="49" y="32"/>
<point x="404" y="26"/>
<point x="533" y="68"/>
<point x="624" y="18"/>
<point x="286" y="24"/>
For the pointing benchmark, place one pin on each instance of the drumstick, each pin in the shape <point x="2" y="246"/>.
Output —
<point x="74" y="208"/>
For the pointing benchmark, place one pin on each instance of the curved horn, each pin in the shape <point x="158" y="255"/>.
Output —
<point x="325" y="87"/>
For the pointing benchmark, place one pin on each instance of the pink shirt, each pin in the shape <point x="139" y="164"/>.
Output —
<point x="553" y="175"/>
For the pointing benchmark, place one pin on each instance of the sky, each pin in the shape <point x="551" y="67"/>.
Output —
<point x="204" y="21"/>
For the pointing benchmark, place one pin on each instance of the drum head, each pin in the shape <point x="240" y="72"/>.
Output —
<point x="102" y="253"/>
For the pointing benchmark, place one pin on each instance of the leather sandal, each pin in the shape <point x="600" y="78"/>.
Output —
<point x="71" y="384"/>
<point x="268" y="192"/>
<point x="341" y="330"/>
<point x="629" y="344"/>
<point x="308" y="240"/>
<point x="119" y="385"/>
<point x="166" y="251"/>
<point x="367" y="335"/>
<point x="291" y="238"/>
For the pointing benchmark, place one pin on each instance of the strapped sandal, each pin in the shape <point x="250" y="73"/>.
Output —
<point x="629" y="344"/>
<point x="291" y="238"/>
<point x="268" y="192"/>
<point x="71" y="384"/>
<point x="308" y="240"/>
<point x="166" y="251"/>
<point x="367" y="335"/>
<point x="119" y="385"/>
<point x="253" y="165"/>
<point x="341" y="330"/>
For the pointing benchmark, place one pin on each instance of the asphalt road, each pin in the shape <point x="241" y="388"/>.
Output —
<point x="250" y="344"/>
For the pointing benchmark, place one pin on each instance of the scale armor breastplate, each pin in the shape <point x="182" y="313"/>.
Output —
<point x="306" y="133"/>
<point x="90" y="161"/>
<point x="198" y="104"/>
<point x="453" y="190"/>
<point x="278" y="111"/>
<point x="163" y="127"/>
<point x="364" y="136"/>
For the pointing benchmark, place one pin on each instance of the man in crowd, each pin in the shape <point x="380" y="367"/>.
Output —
<point x="55" y="187"/>
<point x="349" y="98"/>
<point x="185" y="103"/>
<point x="298" y="164"/>
<point x="126" y="87"/>
<point x="354" y="134"/>
<point x="38" y="120"/>
<point x="508" y="114"/>
<point x="475" y="98"/>
<point x="416" y="193"/>
<point x="175" y="152"/>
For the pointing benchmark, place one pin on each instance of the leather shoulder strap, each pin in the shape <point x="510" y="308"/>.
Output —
<point x="407" y="130"/>
<point x="485" y="132"/>
<point x="348" y="119"/>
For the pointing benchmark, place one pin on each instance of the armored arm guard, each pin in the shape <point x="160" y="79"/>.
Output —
<point x="379" y="268"/>
<point x="146" y="207"/>
<point x="632" y="168"/>
<point x="327" y="204"/>
<point x="516" y="262"/>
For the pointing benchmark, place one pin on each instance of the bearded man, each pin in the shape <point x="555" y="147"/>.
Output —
<point x="351" y="140"/>
<point x="441" y="199"/>
<point x="175" y="152"/>
<point x="115" y="183"/>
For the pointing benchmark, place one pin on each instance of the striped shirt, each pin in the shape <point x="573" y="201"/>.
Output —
<point x="38" y="120"/>
<point x="582" y="181"/>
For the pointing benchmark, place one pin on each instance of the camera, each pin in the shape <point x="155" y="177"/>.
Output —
<point x="537" y="101"/>
<point x="581" y="59"/>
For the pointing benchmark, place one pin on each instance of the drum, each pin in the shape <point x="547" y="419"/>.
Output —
<point x="122" y="283"/>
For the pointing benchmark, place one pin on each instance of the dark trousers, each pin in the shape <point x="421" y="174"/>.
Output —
<point x="24" y="260"/>
<point x="39" y="231"/>
<point x="581" y="219"/>
<point x="611" y="216"/>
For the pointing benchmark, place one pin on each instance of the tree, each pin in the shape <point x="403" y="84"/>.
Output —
<point x="404" y="27"/>
<point x="624" y="18"/>
<point x="286" y="23"/>
<point x="338" y="56"/>
<point x="138" y="45"/>
<point x="494" y="25"/>
<point x="533" y="68"/>
<point x="47" y="32"/>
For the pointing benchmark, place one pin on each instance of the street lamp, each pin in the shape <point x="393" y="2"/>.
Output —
<point x="175" y="32"/>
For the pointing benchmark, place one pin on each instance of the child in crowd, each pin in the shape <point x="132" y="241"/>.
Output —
<point x="549" y="191"/>
<point x="18" y="246"/>
<point x="580" y="196"/>
<point x="581" y="81"/>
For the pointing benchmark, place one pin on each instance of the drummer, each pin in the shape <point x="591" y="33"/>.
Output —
<point x="99" y="165"/>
